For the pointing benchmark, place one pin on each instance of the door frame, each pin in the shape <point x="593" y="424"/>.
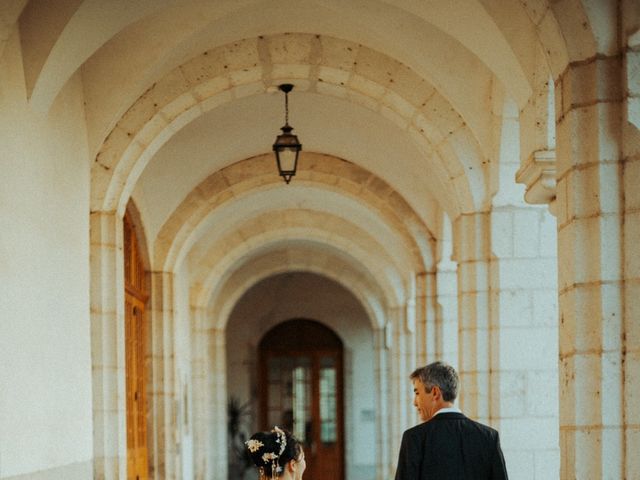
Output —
<point x="265" y="353"/>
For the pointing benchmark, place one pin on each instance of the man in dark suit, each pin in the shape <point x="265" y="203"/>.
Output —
<point x="448" y="445"/>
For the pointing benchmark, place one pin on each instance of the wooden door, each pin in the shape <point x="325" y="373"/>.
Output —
<point x="135" y="358"/>
<point x="301" y="369"/>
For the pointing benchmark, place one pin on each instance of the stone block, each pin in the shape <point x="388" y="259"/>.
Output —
<point x="631" y="386"/>
<point x="612" y="382"/>
<point x="582" y="139"/>
<point x="438" y="111"/>
<point x="179" y="105"/>
<point x="512" y="390"/>
<point x="547" y="464"/>
<point x="526" y="223"/>
<point x="247" y="76"/>
<point x="543" y="381"/>
<point x="588" y="454"/>
<point x="394" y="101"/>
<point x="548" y="239"/>
<point x="410" y="86"/>
<point x="364" y="100"/>
<point x="520" y="464"/>
<point x="528" y="348"/>
<point x="515" y="308"/>
<point x="631" y="178"/>
<point x="205" y="67"/>
<point x="290" y="49"/>
<point x="366" y="87"/>
<point x="632" y="446"/>
<point x="375" y="66"/>
<point x="545" y="307"/>
<point x="325" y="88"/>
<point x="502" y="233"/>
<point x="631" y="239"/>
<point x="338" y="54"/>
<point x="333" y="75"/>
<point x="241" y="54"/>
<point x="211" y="87"/>
<point x="529" y="433"/>
<point x="631" y="316"/>
<point x="585" y="250"/>
<point x="584" y="188"/>
<point x="579" y="85"/>
<point x="539" y="272"/>
<point x="395" y="117"/>
<point x="151" y="129"/>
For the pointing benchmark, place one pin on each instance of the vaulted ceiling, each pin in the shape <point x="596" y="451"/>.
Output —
<point x="397" y="104"/>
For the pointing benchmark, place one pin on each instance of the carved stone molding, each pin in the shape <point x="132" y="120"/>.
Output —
<point x="538" y="174"/>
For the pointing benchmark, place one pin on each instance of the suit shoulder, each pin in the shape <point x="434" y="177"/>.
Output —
<point x="482" y="428"/>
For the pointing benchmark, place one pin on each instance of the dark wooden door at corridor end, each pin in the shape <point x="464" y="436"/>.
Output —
<point x="135" y="357"/>
<point x="301" y="389"/>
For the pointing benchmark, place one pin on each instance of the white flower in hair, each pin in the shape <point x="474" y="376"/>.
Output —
<point x="269" y="456"/>
<point x="254" y="445"/>
<point x="282" y="438"/>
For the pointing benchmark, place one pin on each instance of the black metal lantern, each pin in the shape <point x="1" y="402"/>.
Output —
<point x="287" y="146"/>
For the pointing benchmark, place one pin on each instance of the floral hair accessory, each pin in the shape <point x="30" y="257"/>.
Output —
<point x="254" y="445"/>
<point x="282" y="439"/>
<point x="268" y="450"/>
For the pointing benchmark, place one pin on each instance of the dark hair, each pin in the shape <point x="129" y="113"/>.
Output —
<point x="269" y="443"/>
<point x="441" y="375"/>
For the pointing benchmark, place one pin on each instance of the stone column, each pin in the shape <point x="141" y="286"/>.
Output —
<point x="401" y="360"/>
<point x="107" y="346"/>
<point x="524" y="311"/>
<point x="217" y="405"/>
<point x="162" y="397"/>
<point x="202" y="443"/>
<point x="384" y="458"/>
<point x="525" y="338"/>
<point x="430" y="341"/>
<point x="424" y="326"/>
<point x="631" y="259"/>
<point x="447" y="300"/>
<point x="595" y="382"/>
<point x="471" y="250"/>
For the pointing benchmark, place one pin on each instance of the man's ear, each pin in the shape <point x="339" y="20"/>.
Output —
<point x="436" y="392"/>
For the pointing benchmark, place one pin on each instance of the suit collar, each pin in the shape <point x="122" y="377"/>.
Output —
<point x="448" y="416"/>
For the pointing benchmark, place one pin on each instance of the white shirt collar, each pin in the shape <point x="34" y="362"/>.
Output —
<point x="448" y="410"/>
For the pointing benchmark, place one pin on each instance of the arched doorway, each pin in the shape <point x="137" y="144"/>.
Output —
<point x="301" y="389"/>
<point x="135" y="356"/>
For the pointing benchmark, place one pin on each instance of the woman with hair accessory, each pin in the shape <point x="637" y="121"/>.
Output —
<point x="277" y="454"/>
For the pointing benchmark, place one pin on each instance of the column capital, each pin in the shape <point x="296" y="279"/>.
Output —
<point x="538" y="174"/>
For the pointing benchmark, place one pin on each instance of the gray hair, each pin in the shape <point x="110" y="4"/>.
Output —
<point x="441" y="375"/>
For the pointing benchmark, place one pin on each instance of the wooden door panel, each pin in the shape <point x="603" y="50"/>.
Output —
<point x="135" y="338"/>
<point x="303" y="394"/>
<point x="135" y="357"/>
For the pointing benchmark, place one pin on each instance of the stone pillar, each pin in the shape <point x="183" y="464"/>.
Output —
<point x="217" y="406"/>
<point x="384" y="458"/>
<point x="424" y="325"/>
<point x="631" y="259"/>
<point x="401" y="363"/>
<point x="447" y="300"/>
<point x="107" y="346"/>
<point x="524" y="312"/>
<point x="202" y="443"/>
<point x="525" y="328"/>
<point x="162" y="397"/>
<point x="433" y="345"/>
<point x="596" y="376"/>
<point x="471" y="250"/>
